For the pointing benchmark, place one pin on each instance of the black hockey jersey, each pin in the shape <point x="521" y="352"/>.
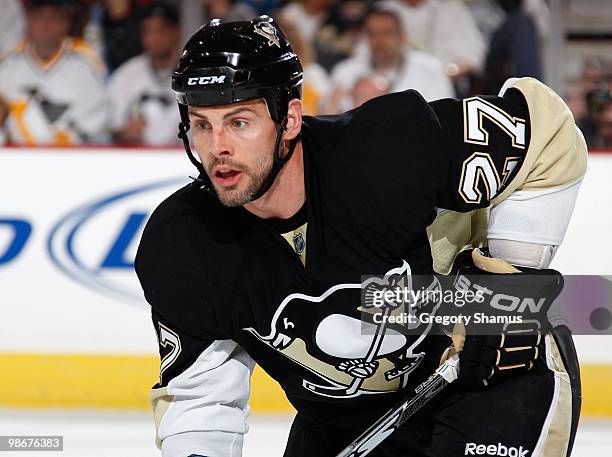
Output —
<point x="288" y="291"/>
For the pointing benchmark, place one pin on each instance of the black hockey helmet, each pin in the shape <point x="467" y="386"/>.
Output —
<point x="230" y="62"/>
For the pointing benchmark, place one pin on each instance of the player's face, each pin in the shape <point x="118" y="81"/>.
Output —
<point x="235" y="144"/>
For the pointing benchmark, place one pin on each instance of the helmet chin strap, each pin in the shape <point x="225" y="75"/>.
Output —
<point x="183" y="129"/>
<point x="279" y="161"/>
<point x="204" y="182"/>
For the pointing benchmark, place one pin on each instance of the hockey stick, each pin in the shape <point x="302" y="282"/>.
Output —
<point x="387" y="424"/>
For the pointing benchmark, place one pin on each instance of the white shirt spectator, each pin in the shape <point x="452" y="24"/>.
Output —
<point x="308" y="23"/>
<point x="419" y="71"/>
<point x="56" y="102"/>
<point x="445" y="29"/>
<point x="135" y="89"/>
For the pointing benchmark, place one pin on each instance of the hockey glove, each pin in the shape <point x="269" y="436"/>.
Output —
<point x="505" y="335"/>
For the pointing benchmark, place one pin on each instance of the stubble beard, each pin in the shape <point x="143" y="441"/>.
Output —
<point x="241" y="194"/>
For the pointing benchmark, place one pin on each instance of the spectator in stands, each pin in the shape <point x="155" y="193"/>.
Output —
<point x="367" y="88"/>
<point x="489" y="15"/>
<point x="587" y="95"/>
<point x="390" y="58"/>
<point x="52" y="85"/>
<point x="446" y="29"/>
<point x="12" y="25"/>
<point x="316" y="87"/>
<point x="309" y="14"/>
<point x="120" y="30"/>
<point x="337" y="37"/>
<point x="605" y="127"/>
<point x="596" y="124"/>
<point x="514" y="50"/>
<point x="143" y="107"/>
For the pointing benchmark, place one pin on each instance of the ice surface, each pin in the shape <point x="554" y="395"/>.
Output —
<point x="130" y="434"/>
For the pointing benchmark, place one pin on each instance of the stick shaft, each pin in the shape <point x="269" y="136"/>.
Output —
<point x="389" y="422"/>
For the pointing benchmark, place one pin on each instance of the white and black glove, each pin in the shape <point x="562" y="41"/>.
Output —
<point x="492" y="352"/>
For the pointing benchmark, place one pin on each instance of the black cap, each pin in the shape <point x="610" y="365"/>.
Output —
<point x="162" y="10"/>
<point x="66" y="5"/>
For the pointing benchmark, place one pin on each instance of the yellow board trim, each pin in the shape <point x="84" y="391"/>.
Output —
<point x="101" y="381"/>
<point x="596" y="394"/>
<point x="124" y="382"/>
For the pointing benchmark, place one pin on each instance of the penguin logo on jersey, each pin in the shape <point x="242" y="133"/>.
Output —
<point x="332" y="336"/>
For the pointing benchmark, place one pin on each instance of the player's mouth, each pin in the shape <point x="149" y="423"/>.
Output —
<point x="227" y="176"/>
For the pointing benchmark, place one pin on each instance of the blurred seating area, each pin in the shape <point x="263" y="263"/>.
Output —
<point x="76" y="72"/>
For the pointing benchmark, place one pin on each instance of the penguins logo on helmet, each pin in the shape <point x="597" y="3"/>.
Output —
<point x="267" y="31"/>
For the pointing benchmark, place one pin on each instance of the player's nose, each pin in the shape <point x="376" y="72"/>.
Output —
<point x="219" y="143"/>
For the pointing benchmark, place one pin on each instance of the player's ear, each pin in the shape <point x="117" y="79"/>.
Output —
<point x="294" y="119"/>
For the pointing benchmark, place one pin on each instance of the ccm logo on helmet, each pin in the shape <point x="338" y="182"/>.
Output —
<point x="204" y="80"/>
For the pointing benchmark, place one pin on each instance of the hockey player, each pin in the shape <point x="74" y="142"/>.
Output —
<point x="260" y="259"/>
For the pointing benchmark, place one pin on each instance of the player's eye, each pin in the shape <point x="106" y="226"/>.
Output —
<point x="239" y="123"/>
<point x="202" y="125"/>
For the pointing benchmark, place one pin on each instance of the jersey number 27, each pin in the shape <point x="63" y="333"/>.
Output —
<point x="479" y="167"/>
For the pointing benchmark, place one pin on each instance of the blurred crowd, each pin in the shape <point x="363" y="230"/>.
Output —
<point x="98" y="71"/>
<point x="590" y="98"/>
